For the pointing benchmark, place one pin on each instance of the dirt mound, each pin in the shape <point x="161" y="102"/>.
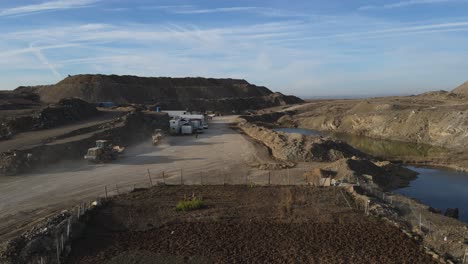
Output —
<point x="297" y="147"/>
<point x="10" y="100"/>
<point x="65" y="111"/>
<point x="462" y="89"/>
<point x="133" y="89"/>
<point x="199" y="94"/>
<point x="387" y="175"/>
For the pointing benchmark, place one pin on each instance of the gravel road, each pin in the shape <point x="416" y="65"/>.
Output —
<point x="219" y="151"/>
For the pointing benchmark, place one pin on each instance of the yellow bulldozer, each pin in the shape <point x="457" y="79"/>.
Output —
<point x="157" y="136"/>
<point x="103" y="152"/>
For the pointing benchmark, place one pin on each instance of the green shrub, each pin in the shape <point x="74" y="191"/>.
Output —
<point x="189" y="205"/>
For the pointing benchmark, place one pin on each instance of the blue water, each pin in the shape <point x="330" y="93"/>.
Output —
<point x="440" y="188"/>
<point x="436" y="187"/>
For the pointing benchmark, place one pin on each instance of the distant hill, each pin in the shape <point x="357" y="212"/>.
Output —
<point x="133" y="89"/>
<point x="462" y="89"/>
<point x="194" y="93"/>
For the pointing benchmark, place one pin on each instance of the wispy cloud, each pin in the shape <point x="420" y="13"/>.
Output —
<point x="191" y="10"/>
<point x="388" y="32"/>
<point x="44" y="60"/>
<point x="168" y="33"/>
<point x="46" y="6"/>
<point x="215" y="10"/>
<point x="406" y="4"/>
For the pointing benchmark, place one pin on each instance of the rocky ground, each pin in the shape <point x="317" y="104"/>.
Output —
<point x="240" y="225"/>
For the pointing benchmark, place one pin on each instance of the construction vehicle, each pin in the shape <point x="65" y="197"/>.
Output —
<point x="157" y="136"/>
<point x="103" y="152"/>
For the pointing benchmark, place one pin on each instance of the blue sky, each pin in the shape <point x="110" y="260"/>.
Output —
<point x="307" y="48"/>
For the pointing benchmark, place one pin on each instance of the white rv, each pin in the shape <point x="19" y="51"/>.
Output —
<point x="177" y="113"/>
<point x="198" y="121"/>
<point x="174" y="126"/>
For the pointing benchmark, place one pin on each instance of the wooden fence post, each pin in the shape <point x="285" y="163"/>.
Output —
<point x="464" y="256"/>
<point x="68" y="227"/>
<point x="61" y="242"/>
<point x="149" y="176"/>
<point x="181" y="177"/>
<point x="269" y="177"/>
<point x="105" y="188"/>
<point x="58" y="251"/>
<point x="164" y="179"/>
<point x="420" y="222"/>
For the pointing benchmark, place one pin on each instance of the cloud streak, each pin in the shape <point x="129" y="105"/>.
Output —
<point x="46" y="6"/>
<point x="44" y="60"/>
<point x="193" y="10"/>
<point x="388" y="32"/>
<point x="407" y="4"/>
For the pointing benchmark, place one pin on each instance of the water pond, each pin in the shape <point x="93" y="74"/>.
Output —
<point x="437" y="187"/>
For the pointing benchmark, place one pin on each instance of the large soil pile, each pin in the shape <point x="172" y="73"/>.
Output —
<point x="170" y="92"/>
<point x="297" y="147"/>
<point x="462" y="89"/>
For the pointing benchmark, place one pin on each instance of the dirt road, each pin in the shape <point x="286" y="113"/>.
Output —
<point x="30" y="139"/>
<point x="219" y="151"/>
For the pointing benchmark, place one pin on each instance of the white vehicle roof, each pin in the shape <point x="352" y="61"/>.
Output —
<point x="193" y="116"/>
<point x="176" y="112"/>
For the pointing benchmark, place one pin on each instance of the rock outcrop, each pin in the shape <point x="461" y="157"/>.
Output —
<point x="297" y="147"/>
<point x="437" y="119"/>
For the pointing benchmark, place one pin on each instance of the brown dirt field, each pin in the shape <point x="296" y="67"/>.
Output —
<point x="240" y="225"/>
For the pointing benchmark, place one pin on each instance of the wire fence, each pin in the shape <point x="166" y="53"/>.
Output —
<point x="414" y="214"/>
<point x="426" y="223"/>
<point x="65" y="229"/>
<point x="180" y="176"/>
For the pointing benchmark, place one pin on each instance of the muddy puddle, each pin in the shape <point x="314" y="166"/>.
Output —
<point x="437" y="187"/>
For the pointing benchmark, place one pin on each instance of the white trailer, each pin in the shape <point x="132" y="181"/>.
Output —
<point x="174" y="126"/>
<point x="199" y="121"/>
<point x="186" y="129"/>
<point x="177" y="113"/>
